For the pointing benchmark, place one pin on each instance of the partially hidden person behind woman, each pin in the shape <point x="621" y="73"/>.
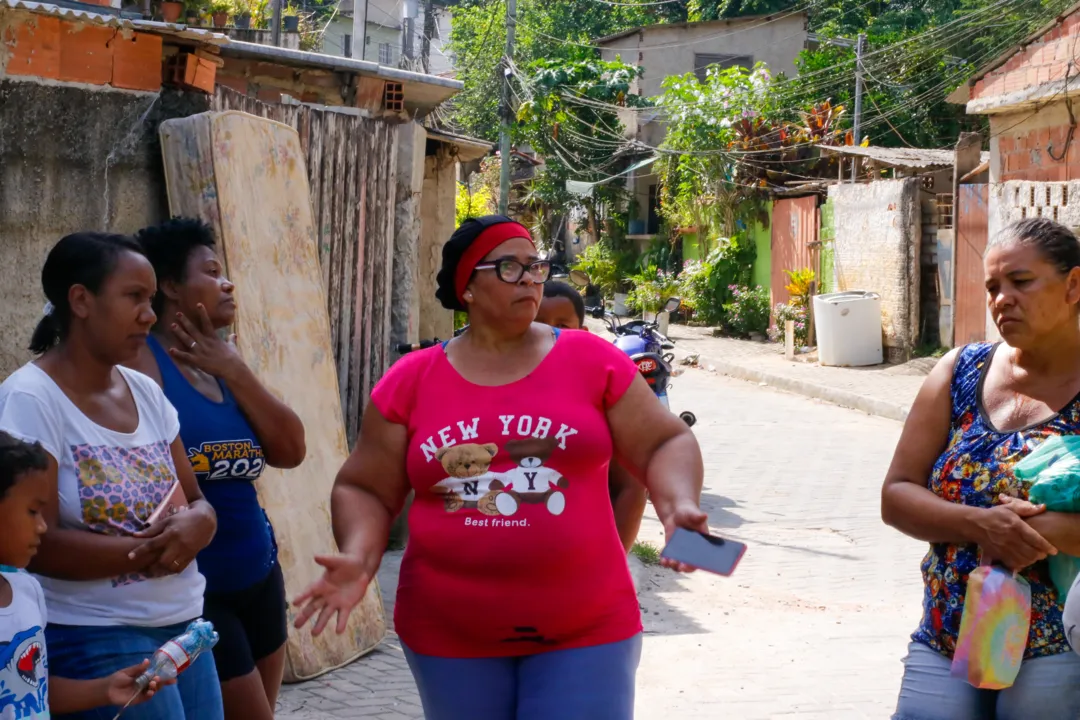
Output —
<point x="514" y="572"/>
<point x="564" y="308"/>
<point x="231" y="427"/>
<point x="116" y="586"/>
<point x="982" y="410"/>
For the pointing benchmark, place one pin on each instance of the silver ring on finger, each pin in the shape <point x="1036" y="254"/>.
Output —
<point x="193" y="344"/>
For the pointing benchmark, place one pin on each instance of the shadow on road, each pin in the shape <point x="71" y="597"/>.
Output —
<point x="719" y="509"/>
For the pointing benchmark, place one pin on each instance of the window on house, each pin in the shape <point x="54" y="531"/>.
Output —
<point x="386" y="54"/>
<point x="347" y="45"/>
<point x="703" y="61"/>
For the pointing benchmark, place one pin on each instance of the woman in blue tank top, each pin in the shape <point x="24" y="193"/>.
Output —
<point x="232" y="427"/>
<point x="982" y="410"/>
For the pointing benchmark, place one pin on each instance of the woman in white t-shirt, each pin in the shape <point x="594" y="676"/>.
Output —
<point x="115" y="586"/>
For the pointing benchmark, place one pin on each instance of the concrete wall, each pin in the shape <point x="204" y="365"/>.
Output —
<point x="334" y="39"/>
<point x="666" y="50"/>
<point x="72" y="159"/>
<point x="290" y="40"/>
<point x="436" y="226"/>
<point x="877" y="248"/>
<point x="385" y="26"/>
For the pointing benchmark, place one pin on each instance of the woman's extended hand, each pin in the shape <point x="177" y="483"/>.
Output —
<point x="201" y="347"/>
<point x="178" y="538"/>
<point x="1006" y="537"/>
<point x="120" y="686"/>
<point x="339" y="590"/>
<point x="689" y="517"/>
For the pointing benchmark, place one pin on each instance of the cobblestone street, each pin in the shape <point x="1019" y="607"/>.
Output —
<point x="813" y="623"/>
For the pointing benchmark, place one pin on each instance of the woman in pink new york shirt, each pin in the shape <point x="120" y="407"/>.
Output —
<point x="515" y="601"/>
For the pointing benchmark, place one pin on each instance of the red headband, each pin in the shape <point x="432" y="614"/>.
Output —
<point x="491" y="238"/>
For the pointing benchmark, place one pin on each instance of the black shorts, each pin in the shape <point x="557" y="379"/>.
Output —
<point x="251" y="624"/>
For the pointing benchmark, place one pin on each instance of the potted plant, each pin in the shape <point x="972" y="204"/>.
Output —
<point x="219" y="11"/>
<point x="171" y="10"/>
<point x="292" y="18"/>
<point x="242" y="14"/>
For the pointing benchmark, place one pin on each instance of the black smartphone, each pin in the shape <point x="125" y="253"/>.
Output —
<point x="705" y="552"/>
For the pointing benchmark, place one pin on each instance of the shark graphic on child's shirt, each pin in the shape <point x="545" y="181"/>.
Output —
<point x="24" y="677"/>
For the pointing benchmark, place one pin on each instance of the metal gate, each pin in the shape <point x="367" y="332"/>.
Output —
<point x="971" y="237"/>
<point x="794" y="241"/>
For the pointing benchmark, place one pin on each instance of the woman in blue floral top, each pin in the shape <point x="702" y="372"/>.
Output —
<point x="951" y="483"/>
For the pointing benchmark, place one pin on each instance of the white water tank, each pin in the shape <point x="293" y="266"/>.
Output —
<point x="848" y="326"/>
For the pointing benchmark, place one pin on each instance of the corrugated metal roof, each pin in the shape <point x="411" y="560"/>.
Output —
<point x="917" y="158"/>
<point x="110" y="20"/>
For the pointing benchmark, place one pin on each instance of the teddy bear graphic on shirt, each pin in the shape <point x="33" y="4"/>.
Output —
<point x="530" y="482"/>
<point x="470" y="483"/>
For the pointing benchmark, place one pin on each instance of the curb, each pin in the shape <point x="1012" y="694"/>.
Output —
<point x="843" y="398"/>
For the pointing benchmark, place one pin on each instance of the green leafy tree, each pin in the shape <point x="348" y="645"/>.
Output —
<point x="701" y="184"/>
<point x="547" y="30"/>
<point x="578" y="140"/>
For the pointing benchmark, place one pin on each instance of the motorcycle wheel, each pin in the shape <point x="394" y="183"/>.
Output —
<point x="689" y="418"/>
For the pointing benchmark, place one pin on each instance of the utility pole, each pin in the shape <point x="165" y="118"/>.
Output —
<point x="429" y="32"/>
<point x="858" y="100"/>
<point x="359" y="31"/>
<point x="504" y="136"/>
<point x="275" y="24"/>
<point x="410" y="31"/>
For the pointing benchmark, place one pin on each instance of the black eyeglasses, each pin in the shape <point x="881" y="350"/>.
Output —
<point x="511" y="271"/>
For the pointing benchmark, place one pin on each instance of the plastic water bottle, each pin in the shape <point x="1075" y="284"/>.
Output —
<point x="176" y="656"/>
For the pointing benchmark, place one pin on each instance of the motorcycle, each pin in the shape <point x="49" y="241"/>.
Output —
<point x="642" y="341"/>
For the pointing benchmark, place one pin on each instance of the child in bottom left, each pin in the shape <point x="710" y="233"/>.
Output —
<point x="26" y="690"/>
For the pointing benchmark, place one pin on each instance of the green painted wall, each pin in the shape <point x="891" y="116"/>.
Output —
<point x="828" y="248"/>
<point x="690" y="248"/>
<point x="763" y="263"/>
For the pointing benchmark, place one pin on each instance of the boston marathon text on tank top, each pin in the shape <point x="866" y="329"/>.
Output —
<point x="227" y="459"/>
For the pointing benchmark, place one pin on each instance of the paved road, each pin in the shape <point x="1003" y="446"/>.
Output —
<point x="812" y="625"/>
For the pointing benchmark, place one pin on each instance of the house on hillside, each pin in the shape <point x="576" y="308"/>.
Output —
<point x="681" y="48"/>
<point x="1030" y="94"/>
<point x="386" y="33"/>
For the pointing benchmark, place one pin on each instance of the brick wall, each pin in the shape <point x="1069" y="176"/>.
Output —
<point x="1035" y="146"/>
<point x="1029" y="120"/>
<point x="877" y="249"/>
<point x="48" y="47"/>
<point x="1044" y="61"/>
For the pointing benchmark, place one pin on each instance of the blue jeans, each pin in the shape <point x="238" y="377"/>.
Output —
<point x="1047" y="688"/>
<point x="591" y="683"/>
<point x="86" y="653"/>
